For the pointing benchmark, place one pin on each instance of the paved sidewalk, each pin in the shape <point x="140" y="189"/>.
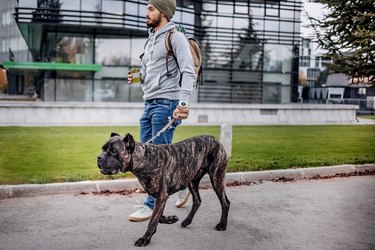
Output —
<point x="327" y="214"/>
<point x="15" y="191"/>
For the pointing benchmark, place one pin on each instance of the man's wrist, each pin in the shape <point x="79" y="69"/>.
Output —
<point x="183" y="103"/>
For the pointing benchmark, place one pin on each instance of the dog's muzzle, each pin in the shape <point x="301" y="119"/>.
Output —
<point x="103" y="169"/>
<point x="115" y="171"/>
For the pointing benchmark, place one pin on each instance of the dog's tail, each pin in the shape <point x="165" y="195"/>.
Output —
<point x="217" y="159"/>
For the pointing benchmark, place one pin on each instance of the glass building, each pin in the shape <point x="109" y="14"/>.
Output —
<point x="82" y="49"/>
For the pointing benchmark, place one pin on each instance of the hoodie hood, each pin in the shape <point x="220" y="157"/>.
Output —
<point x="155" y="35"/>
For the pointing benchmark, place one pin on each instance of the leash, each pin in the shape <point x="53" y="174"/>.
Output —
<point x="161" y="131"/>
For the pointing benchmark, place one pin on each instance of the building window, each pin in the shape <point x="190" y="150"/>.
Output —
<point x="317" y="62"/>
<point x="306" y="43"/>
<point x="271" y="25"/>
<point x="210" y="6"/>
<point x="256" y="9"/>
<point x="277" y="58"/>
<point x="241" y="8"/>
<point x="312" y="75"/>
<point x="246" y="46"/>
<point x="305" y="61"/>
<point x="226" y="8"/>
<point x="272" y="9"/>
<point x="70" y="5"/>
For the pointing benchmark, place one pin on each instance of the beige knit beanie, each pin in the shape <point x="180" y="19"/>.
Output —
<point x="167" y="7"/>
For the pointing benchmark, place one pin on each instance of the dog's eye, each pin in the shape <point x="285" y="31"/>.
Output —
<point x="113" y="151"/>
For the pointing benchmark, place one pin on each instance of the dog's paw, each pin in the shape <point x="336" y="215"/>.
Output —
<point x="186" y="223"/>
<point x="168" y="219"/>
<point x="221" y="227"/>
<point x="141" y="242"/>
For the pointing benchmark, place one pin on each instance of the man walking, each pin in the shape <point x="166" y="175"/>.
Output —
<point x="166" y="90"/>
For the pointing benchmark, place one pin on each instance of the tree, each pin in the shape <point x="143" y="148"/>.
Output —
<point x="47" y="11"/>
<point x="347" y="33"/>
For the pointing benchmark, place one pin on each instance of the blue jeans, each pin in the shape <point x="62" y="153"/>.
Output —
<point x="156" y="114"/>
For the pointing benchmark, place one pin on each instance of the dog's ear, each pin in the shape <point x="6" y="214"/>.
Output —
<point x="129" y="143"/>
<point x="113" y="134"/>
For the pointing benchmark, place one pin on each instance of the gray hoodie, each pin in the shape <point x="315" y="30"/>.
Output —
<point x="155" y="82"/>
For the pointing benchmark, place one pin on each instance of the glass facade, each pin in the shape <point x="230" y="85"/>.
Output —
<point x="13" y="47"/>
<point x="248" y="47"/>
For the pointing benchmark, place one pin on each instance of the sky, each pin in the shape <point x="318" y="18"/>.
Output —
<point x="313" y="9"/>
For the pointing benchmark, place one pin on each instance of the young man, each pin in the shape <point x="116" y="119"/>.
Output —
<point x="165" y="96"/>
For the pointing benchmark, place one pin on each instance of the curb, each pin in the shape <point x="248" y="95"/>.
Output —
<point x="27" y="190"/>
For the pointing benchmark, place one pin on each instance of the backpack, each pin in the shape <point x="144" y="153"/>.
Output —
<point x="195" y="53"/>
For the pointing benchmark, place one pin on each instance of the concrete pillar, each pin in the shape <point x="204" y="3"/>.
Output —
<point x="226" y="138"/>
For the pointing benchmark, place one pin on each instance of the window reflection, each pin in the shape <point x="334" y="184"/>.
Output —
<point x="131" y="8"/>
<point x="225" y="22"/>
<point x="119" y="52"/>
<point x="65" y="48"/>
<point x="112" y="90"/>
<point x="286" y="26"/>
<point x="27" y="3"/>
<point x="271" y="25"/>
<point x="91" y="5"/>
<point x="188" y="18"/>
<point x="112" y="13"/>
<point x="210" y="6"/>
<point x="287" y="14"/>
<point x="177" y="17"/>
<point x="241" y="8"/>
<point x="240" y="41"/>
<point x="136" y="51"/>
<point x="225" y="8"/>
<point x="70" y="5"/>
<point x="250" y="58"/>
<point x="114" y="7"/>
<point x="68" y="8"/>
<point x="241" y="23"/>
<point x="257" y="9"/>
<point x="277" y="58"/>
<point x="131" y="13"/>
<point x="272" y="9"/>
<point x="113" y="52"/>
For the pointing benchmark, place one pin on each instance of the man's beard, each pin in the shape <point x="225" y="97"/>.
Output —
<point x="154" y="23"/>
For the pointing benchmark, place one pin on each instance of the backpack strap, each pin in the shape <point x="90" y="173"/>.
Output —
<point x="168" y="46"/>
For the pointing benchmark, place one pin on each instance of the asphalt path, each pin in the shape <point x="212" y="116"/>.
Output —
<point x="337" y="213"/>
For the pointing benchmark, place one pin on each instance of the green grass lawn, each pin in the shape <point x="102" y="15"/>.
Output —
<point x="57" y="154"/>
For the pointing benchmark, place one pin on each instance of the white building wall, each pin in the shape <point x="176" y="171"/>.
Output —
<point x="123" y="114"/>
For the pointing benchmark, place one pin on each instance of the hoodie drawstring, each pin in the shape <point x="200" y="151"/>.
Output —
<point x="152" y="48"/>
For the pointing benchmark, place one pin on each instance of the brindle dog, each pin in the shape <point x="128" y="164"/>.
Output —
<point x="163" y="170"/>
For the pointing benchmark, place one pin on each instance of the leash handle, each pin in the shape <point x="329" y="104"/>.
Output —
<point x="162" y="130"/>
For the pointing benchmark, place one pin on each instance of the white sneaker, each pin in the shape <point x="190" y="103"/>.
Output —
<point x="183" y="197"/>
<point x="144" y="213"/>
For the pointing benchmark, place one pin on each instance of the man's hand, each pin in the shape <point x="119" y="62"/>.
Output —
<point x="130" y="78"/>
<point x="181" y="112"/>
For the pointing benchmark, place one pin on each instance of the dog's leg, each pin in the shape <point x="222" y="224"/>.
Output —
<point x="194" y="190"/>
<point x="217" y="174"/>
<point x="152" y="225"/>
